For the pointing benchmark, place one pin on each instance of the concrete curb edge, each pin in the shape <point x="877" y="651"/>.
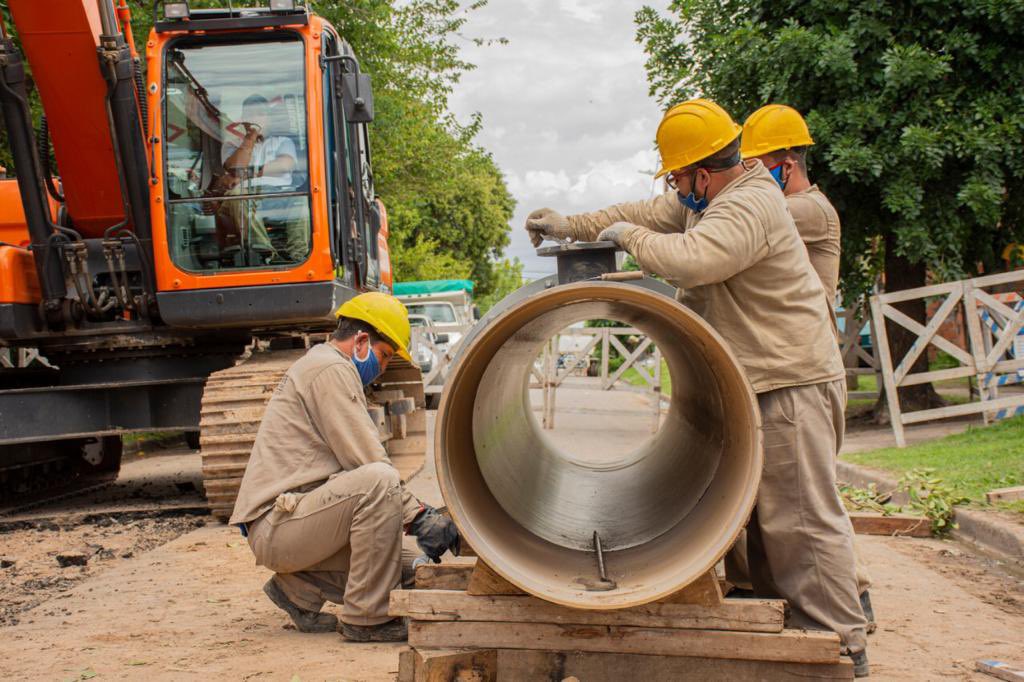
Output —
<point x="990" y="534"/>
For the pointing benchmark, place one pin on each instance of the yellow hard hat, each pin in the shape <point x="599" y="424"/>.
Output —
<point x="692" y="131"/>
<point x="773" y="127"/>
<point x="385" y="313"/>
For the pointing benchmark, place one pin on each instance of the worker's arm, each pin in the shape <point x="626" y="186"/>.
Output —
<point x="728" y="239"/>
<point x="241" y="156"/>
<point x="284" y="158"/>
<point x="663" y="214"/>
<point x="337" y="409"/>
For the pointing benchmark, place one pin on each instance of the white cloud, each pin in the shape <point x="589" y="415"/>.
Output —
<point x="565" y="107"/>
<point x="579" y="10"/>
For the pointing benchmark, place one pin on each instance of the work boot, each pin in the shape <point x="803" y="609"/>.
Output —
<point x="392" y="631"/>
<point x="305" y="621"/>
<point x="869" y="613"/>
<point x="860" y="663"/>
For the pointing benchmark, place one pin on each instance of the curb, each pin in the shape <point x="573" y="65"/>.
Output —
<point x="975" y="527"/>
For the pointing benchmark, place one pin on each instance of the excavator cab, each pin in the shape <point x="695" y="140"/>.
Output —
<point x="263" y="173"/>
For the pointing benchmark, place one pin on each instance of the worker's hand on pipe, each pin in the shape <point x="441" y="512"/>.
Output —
<point x="615" y="233"/>
<point x="435" y="533"/>
<point x="546" y="222"/>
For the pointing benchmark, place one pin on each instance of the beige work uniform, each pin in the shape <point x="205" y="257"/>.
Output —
<point x="336" y="534"/>
<point x="818" y="225"/>
<point x="740" y="264"/>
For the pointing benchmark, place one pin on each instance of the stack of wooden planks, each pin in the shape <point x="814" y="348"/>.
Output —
<point x="468" y="623"/>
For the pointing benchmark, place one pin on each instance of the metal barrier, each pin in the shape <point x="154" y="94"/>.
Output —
<point x="989" y="356"/>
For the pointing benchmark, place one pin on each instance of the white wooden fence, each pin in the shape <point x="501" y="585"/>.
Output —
<point x="857" y="360"/>
<point x="990" y="355"/>
<point x="548" y="376"/>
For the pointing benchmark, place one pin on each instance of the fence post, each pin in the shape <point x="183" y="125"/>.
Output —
<point x="885" y="360"/>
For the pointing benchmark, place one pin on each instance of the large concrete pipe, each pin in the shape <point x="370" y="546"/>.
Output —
<point x="664" y="513"/>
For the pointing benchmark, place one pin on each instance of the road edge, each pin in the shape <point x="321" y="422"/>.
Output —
<point x="990" y="534"/>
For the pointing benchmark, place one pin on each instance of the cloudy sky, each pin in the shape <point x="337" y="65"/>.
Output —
<point x="565" y="107"/>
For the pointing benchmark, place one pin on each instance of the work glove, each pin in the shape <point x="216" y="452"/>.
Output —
<point x="546" y="222"/>
<point x="435" y="533"/>
<point x="615" y="233"/>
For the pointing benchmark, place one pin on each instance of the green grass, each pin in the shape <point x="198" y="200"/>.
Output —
<point x="631" y="376"/>
<point x="972" y="463"/>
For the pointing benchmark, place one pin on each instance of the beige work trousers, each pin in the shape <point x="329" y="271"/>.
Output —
<point x="342" y="543"/>
<point x="737" y="568"/>
<point x="800" y="539"/>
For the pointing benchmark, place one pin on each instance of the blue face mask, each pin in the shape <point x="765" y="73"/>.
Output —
<point x="776" y="172"/>
<point x="369" y="367"/>
<point x="691" y="202"/>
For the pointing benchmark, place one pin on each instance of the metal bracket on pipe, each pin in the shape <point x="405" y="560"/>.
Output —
<point x="579" y="261"/>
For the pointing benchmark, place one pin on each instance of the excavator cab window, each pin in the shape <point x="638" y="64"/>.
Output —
<point x="236" y="153"/>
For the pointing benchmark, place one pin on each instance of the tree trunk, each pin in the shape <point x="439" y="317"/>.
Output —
<point x="901" y="274"/>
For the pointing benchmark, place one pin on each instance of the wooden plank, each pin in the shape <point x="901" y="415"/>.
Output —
<point x="517" y="664"/>
<point x="885" y="359"/>
<point x="867" y="523"/>
<point x="704" y="591"/>
<point x="414" y="443"/>
<point x="941" y="342"/>
<point x="743" y="615"/>
<point x="999" y="278"/>
<point x="937" y="375"/>
<point x="926" y="336"/>
<point x="483" y="580"/>
<point x="434" y="665"/>
<point x="963" y="409"/>
<point x="919" y="292"/>
<point x="406" y="665"/>
<point x="1010" y="494"/>
<point x="999" y="670"/>
<point x="443" y="576"/>
<point x="789" y="645"/>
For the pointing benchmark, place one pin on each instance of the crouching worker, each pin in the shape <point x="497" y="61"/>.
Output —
<point x="320" y="502"/>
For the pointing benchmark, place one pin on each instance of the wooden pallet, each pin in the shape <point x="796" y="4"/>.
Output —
<point x="468" y="623"/>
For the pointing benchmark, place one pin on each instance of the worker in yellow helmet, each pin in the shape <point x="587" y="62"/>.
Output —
<point x="320" y="502"/>
<point x="778" y="136"/>
<point x="724" y="237"/>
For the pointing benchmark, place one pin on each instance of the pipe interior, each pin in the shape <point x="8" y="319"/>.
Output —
<point x="564" y="497"/>
<point x="665" y="512"/>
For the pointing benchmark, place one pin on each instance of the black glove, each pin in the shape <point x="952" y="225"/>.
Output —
<point x="435" y="533"/>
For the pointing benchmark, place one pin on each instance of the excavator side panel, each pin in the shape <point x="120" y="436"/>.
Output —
<point x="59" y="38"/>
<point x="19" y="282"/>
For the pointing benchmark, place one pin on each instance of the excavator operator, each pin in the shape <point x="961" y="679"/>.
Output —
<point x="725" y="238"/>
<point x="260" y="163"/>
<point x="320" y="502"/>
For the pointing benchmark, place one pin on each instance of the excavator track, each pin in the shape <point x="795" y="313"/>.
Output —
<point x="236" y="398"/>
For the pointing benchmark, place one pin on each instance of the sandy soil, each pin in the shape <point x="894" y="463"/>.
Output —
<point x="192" y="607"/>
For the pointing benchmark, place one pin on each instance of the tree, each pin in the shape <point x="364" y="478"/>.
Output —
<point x="915" y="106"/>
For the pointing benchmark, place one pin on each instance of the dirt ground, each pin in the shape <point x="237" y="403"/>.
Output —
<point x="186" y="601"/>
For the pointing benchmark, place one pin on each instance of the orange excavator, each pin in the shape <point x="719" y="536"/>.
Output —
<point x="206" y="216"/>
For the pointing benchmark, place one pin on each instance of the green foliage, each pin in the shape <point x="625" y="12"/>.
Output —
<point x="968" y="464"/>
<point x="928" y="496"/>
<point x="508" y="276"/>
<point x="916" y="109"/>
